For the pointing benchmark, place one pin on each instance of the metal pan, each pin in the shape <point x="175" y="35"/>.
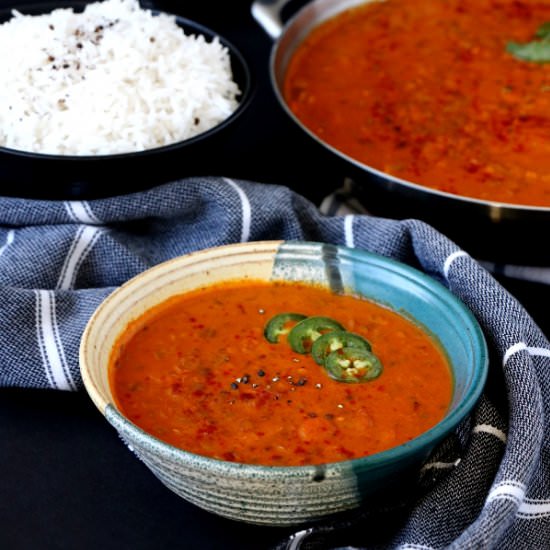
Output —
<point x="491" y="231"/>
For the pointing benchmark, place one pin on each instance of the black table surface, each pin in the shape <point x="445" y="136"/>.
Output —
<point x="66" y="479"/>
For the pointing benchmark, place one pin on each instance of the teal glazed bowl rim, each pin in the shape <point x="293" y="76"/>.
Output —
<point x="217" y="485"/>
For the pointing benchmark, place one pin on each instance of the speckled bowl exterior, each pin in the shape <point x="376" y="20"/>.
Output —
<point x="281" y="496"/>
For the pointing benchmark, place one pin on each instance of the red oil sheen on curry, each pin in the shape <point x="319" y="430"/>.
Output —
<point x="198" y="373"/>
<point x="428" y="91"/>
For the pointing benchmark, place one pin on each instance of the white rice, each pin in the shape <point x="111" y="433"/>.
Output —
<point x="113" y="79"/>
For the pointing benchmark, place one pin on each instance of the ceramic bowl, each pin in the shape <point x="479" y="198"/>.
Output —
<point x="64" y="177"/>
<point x="280" y="496"/>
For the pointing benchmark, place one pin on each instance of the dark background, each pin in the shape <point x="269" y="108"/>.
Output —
<point x="66" y="480"/>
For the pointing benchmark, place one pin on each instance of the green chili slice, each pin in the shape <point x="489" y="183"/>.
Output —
<point x="353" y="365"/>
<point x="337" y="339"/>
<point x="281" y="324"/>
<point x="304" y="333"/>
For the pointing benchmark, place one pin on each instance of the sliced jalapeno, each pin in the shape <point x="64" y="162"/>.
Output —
<point x="304" y="333"/>
<point x="353" y="365"/>
<point x="281" y="324"/>
<point x="337" y="339"/>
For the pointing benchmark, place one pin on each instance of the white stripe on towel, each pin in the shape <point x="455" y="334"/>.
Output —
<point x="51" y="349"/>
<point x="9" y="239"/>
<point x="534" y="509"/>
<point x="348" y="231"/>
<point x="488" y="429"/>
<point x="440" y="465"/>
<point x="450" y="259"/>
<point x="507" y="490"/>
<point x="246" y="211"/>
<point x="80" y="211"/>
<point x="83" y="242"/>
<point x="297" y="538"/>
<point x="522" y="346"/>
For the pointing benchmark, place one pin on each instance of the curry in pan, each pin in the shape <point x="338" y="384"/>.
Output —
<point x="453" y="95"/>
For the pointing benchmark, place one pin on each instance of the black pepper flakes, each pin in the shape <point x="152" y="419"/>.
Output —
<point x="234" y="386"/>
<point x="261" y="373"/>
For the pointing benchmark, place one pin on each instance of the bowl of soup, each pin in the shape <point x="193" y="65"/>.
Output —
<point x="282" y="382"/>
<point x="108" y="97"/>
<point x="437" y="110"/>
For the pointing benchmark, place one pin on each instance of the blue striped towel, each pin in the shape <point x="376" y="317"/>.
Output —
<point x="344" y="201"/>
<point x="488" y="486"/>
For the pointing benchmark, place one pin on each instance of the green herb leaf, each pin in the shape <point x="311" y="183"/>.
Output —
<point x="543" y="32"/>
<point x="536" y="51"/>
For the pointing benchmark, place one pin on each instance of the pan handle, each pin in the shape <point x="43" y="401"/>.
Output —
<point x="268" y="14"/>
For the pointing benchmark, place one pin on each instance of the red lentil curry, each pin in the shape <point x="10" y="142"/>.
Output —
<point x="453" y="95"/>
<point x="203" y="372"/>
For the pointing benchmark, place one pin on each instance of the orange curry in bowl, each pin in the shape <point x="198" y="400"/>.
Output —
<point x="452" y="95"/>
<point x="279" y="374"/>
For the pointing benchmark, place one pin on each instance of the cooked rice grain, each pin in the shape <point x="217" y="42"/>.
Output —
<point x="112" y="79"/>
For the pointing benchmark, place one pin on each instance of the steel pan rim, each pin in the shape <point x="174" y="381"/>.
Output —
<point x="495" y="210"/>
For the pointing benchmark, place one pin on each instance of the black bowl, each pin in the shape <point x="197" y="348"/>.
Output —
<point x="60" y="177"/>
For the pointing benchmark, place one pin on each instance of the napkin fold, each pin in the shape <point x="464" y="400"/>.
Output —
<point x="487" y="486"/>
